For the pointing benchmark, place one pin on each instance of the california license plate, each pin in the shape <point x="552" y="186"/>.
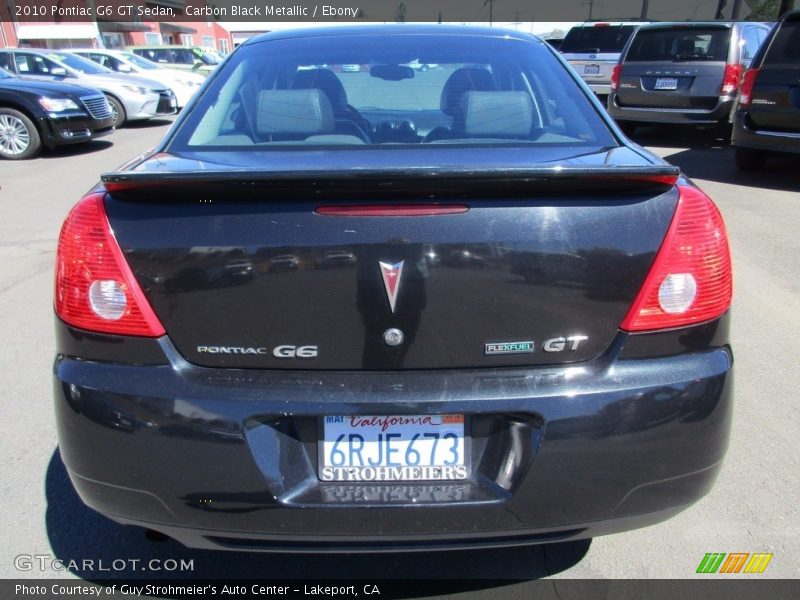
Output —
<point x="591" y="69"/>
<point x="666" y="83"/>
<point x="393" y="448"/>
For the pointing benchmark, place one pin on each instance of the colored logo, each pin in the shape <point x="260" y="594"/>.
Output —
<point x="734" y="562"/>
<point x="509" y="348"/>
<point x="391" y="280"/>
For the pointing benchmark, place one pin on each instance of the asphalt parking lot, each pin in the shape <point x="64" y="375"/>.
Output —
<point x="753" y="507"/>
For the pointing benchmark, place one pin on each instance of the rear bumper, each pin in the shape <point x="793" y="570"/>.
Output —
<point x="745" y="136"/>
<point x="671" y="116"/>
<point x="223" y="458"/>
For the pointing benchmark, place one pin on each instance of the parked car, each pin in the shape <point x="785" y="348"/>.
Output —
<point x="683" y="73"/>
<point x="767" y="117"/>
<point x="34" y="114"/>
<point x="183" y="84"/>
<point x="555" y="42"/>
<point x="184" y="58"/>
<point x="594" y="48"/>
<point x="131" y="98"/>
<point x="421" y="66"/>
<point x="402" y="403"/>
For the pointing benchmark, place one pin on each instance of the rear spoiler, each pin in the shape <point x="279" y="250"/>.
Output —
<point x="411" y="183"/>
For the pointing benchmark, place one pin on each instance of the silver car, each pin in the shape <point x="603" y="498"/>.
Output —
<point x="131" y="98"/>
<point x="183" y="83"/>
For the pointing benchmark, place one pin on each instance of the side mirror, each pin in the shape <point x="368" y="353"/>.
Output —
<point x="58" y="72"/>
<point x="123" y="68"/>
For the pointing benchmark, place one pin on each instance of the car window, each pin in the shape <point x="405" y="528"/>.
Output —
<point x="597" y="39"/>
<point x="785" y="47"/>
<point x="360" y="90"/>
<point x="183" y="57"/>
<point x="140" y="62"/>
<point x="80" y="64"/>
<point x="6" y="61"/>
<point x="750" y="43"/>
<point x="33" y="64"/>
<point x="679" y="43"/>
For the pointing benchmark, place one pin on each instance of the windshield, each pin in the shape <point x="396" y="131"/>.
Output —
<point x="361" y="89"/>
<point x="680" y="43"/>
<point x="140" y="62"/>
<point x="207" y="58"/>
<point x="78" y="63"/>
<point x="596" y="39"/>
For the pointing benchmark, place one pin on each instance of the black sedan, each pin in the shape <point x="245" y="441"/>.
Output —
<point x="767" y="118"/>
<point x="563" y="371"/>
<point x="40" y="113"/>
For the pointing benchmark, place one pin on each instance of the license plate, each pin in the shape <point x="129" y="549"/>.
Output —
<point x="666" y="83"/>
<point x="393" y="448"/>
<point x="591" y="69"/>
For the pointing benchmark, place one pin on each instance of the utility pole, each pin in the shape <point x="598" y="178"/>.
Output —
<point x="645" y="7"/>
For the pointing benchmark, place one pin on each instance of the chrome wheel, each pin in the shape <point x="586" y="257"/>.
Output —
<point x="15" y="138"/>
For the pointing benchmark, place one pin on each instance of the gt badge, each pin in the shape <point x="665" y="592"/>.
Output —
<point x="391" y="280"/>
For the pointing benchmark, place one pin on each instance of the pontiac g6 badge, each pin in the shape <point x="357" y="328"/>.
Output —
<point x="391" y="280"/>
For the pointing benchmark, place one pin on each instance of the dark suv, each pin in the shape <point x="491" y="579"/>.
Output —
<point x="682" y="73"/>
<point x="767" y="118"/>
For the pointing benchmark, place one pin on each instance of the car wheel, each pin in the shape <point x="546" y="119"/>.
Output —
<point x="627" y="127"/>
<point x="19" y="137"/>
<point x="117" y="111"/>
<point x="749" y="160"/>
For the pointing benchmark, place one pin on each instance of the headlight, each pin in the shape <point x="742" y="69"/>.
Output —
<point x="57" y="104"/>
<point x="138" y="90"/>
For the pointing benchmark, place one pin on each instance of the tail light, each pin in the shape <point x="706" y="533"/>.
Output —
<point x="690" y="280"/>
<point x="95" y="288"/>
<point x="615" y="74"/>
<point x="748" y="81"/>
<point x="730" y="79"/>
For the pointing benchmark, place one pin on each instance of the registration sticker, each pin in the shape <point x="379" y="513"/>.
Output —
<point x="393" y="448"/>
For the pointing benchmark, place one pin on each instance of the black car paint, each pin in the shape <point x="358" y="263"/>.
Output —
<point x="24" y="94"/>
<point x="627" y="436"/>
<point x="771" y="123"/>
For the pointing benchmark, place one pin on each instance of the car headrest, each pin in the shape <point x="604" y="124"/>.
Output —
<point x="299" y="112"/>
<point x="686" y="47"/>
<point x="465" y="79"/>
<point x="495" y="114"/>
<point x="325" y="80"/>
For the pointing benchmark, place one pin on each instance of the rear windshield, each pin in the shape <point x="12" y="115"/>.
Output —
<point x="596" y="39"/>
<point x="680" y="43"/>
<point x="785" y="48"/>
<point x="392" y="89"/>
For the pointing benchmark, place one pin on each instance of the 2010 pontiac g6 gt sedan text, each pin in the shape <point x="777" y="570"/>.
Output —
<point x="393" y="309"/>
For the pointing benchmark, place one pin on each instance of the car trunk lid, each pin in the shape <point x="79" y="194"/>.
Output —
<point x="262" y="269"/>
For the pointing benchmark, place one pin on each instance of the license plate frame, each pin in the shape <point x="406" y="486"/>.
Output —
<point x="591" y="69"/>
<point x="408" y="473"/>
<point x="666" y="84"/>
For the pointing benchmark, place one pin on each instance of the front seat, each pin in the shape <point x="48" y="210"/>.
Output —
<point x="348" y="120"/>
<point x="465" y="79"/>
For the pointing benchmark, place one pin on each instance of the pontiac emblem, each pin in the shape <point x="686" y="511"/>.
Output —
<point x="391" y="280"/>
